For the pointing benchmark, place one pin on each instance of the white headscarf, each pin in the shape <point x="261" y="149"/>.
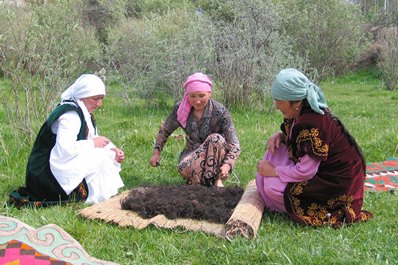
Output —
<point x="86" y="85"/>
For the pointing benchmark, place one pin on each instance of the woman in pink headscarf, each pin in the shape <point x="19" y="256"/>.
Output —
<point x="212" y="145"/>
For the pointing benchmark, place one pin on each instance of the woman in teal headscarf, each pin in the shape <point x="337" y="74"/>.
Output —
<point x="313" y="168"/>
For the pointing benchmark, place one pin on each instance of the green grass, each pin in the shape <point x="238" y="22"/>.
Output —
<point x="367" y="111"/>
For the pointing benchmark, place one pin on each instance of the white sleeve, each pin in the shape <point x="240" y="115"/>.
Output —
<point x="71" y="161"/>
<point x="69" y="157"/>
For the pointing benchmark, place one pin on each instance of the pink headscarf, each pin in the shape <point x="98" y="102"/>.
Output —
<point x="197" y="82"/>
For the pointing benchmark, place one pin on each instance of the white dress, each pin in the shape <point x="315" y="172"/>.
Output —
<point x="71" y="161"/>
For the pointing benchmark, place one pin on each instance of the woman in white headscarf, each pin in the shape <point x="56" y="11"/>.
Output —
<point x="69" y="160"/>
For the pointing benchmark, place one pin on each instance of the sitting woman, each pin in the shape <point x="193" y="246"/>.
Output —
<point x="313" y="169"/>
<point x="69" y="160"/>
<point x="212" y="146"/>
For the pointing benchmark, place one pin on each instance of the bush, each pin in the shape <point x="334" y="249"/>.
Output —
<point x="150" y="54"/>
<point x="156" y="54"/>
<point x="217" y="10"/>
<point x="329" y="32"/>
<point x="250" y="51"/>
<point x="388" y="63"/>
<point x="42" y="50"/>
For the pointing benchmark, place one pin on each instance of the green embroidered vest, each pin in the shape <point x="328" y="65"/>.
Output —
<point x="40" y="182"/>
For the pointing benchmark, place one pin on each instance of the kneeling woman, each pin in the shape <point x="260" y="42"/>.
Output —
<point x="212" y="145"/>
<point x="313" y="168"/>
<point x="69" y="161"/>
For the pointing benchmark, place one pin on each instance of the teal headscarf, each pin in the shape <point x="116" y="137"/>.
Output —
<point x="292" y="85"/>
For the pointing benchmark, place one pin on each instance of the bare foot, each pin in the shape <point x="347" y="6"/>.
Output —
<point x="219" y="183"/>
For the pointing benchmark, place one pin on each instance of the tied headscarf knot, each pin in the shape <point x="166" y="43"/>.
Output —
<point x="197" y="82"/>
<point x="292" y="85"/>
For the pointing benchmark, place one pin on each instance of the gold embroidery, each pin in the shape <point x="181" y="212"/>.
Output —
<point x="82" y="190"/>
<point x="316" y="214"/>
<point x="312" y="135"/>
<point x="365" y="216"/>
<point x="299" y="188"/>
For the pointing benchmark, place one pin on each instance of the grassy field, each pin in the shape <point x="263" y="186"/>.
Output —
<point x="368" y="112"/>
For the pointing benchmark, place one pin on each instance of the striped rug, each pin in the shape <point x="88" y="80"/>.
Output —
<point x="382" y="176"/>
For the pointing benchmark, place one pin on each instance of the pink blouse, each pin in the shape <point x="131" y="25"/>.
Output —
<point x="301" y="171"/>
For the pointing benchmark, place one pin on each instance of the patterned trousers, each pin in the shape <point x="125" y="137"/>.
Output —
<point x="202" y="166"/>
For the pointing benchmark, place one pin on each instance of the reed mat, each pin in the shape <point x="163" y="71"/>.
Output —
<point x="244" y="220"/>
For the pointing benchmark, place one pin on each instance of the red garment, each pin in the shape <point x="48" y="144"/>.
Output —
<point x="335" y="194"/>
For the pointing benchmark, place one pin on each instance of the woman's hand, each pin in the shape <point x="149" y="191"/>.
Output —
<point x="155" y="159"/>
<point x="119" y="157"/>
<point x="266" y="169"/>
<point x="100" y="141"/>
<point x="224" y="170"/>
<point x="274" y="141"/>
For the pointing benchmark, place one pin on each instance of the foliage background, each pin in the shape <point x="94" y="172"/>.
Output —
<point x="151" y="46"/>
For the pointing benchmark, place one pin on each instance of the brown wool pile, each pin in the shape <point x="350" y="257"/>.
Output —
<point x="214" y="204"/>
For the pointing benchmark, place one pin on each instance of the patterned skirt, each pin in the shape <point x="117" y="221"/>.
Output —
<point x="202" y="166"/>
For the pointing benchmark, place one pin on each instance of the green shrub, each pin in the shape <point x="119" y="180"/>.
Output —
<point x="43" y="48"/>
<point x="388" y="62"/>
<point x="329" y="32"/>
<point x="161" y="6"/>
<point x="250" y="51"/>
<point x="217" y="10"/>
<point x="156" y="54"/>
<point x="144" y="8"/>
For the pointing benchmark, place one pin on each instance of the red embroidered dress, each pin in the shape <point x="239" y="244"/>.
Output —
<point x="335" y="194"/>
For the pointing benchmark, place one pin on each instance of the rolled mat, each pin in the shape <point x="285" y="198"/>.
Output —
<point x="246" y="217"/>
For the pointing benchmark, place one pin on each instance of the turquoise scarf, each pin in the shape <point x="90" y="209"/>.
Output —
<point x="292" y="85"/>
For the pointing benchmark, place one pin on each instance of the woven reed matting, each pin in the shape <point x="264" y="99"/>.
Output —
<point x="247" y="215"/>
<point x="244" y="220"/>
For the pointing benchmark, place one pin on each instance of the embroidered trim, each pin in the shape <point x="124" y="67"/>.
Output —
<point x="82" y="191"/>
<point x="317" y="214"/>
<point x="312" y="136"/>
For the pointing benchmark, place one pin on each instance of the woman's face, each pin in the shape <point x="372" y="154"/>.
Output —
<point x="289" y="109"/>
<point x="92" y="103"/>
<point x="199" y="99"/>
